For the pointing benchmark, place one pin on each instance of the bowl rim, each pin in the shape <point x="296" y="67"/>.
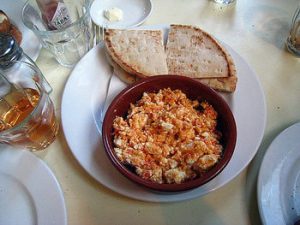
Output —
<point x="209" y="175"/>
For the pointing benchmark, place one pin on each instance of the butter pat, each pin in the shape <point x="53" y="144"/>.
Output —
<point x="114" y="14"/>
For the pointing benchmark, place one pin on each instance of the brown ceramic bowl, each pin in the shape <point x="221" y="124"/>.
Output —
<point x="194" y="90"/>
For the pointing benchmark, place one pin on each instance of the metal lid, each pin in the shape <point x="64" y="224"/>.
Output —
<point x="9" y="50"/>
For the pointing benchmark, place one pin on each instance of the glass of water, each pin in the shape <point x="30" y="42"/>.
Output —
<point x="67" y="44"/>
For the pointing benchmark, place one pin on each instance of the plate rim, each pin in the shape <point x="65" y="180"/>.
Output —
<point x="36" y="190"/>
<point x="271" y="151"/>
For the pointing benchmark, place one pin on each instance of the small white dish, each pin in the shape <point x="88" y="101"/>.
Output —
<point x="30" y="43"/>
<point x="278" y="184"/>
<point x="135" y="12"/>
<point x="29" y="191"/>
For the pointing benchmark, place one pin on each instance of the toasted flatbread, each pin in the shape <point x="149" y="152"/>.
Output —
<point x="194" y="53"/>
<point x="224" y="84"/>
<point x="138" y="52"/>
<point x="118" y="71"/>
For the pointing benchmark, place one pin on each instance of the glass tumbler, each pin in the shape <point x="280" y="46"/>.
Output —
<point x="67" y="44"/>
<point x="27" y="116"/>
<point x="293" y="40"/>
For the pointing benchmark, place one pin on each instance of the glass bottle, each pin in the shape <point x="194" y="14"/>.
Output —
<point x="293" y="40"/>
<point x="54" y="14"/>
<point x="10" y="51"/>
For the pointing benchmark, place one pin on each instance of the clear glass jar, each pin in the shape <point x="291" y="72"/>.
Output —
<point x="11" y="52"/>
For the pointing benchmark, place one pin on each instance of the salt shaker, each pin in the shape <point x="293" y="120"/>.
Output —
<point x="10" y="51"/>
<point x="293" y="40"/>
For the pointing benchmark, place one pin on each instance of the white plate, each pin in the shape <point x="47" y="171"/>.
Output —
<point x="84" y="96"/>
<point x="135" y="12"/>
<point x="29" y="192"/>
<point x="30" y="43"/>
<point x="279" y="179"/>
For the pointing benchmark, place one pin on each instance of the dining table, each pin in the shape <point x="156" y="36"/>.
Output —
<point x="257" y="31"/>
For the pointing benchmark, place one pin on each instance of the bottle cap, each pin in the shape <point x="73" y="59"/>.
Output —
<point x="9" y="50"/>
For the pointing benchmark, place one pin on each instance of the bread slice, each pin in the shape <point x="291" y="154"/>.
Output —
<point x="223" y="84"/>
<point x="118" y="71"/>
<point x="194" y="53"/>
<point x="138" y="52"/>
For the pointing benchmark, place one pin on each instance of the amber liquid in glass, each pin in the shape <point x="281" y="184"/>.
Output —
<point x="39" y="130"/>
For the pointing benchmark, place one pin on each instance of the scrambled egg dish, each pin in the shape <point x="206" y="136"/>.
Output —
<point x="168" y="138"/>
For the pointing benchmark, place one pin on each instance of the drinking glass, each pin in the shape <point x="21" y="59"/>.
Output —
<point x="27" y="116"/>
<point x="67" y="44"/>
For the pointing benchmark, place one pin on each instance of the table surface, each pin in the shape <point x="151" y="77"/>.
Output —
<point x="257" y="30"/>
